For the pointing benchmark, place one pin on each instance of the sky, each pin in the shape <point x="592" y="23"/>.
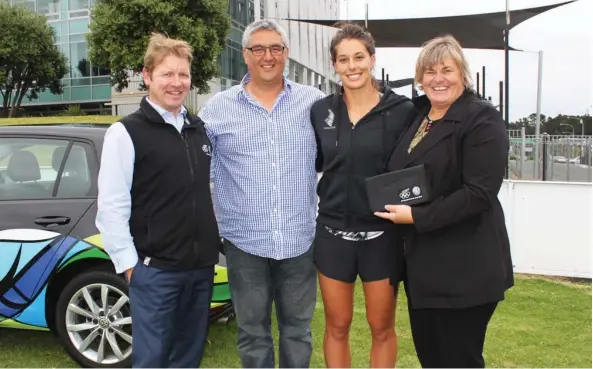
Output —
<point x="564" y="35"/>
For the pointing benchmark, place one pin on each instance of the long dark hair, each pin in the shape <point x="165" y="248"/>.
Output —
<point x="352" y="31"/>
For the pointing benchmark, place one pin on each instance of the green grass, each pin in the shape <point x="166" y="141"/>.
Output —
<point x="106" y="119"/>
<point x="543" y="323"/>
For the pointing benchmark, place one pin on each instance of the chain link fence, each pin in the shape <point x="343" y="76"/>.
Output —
<point x="565" y="158"/>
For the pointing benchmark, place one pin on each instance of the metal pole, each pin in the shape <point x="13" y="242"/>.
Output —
<point x="500" y="98"/>
<point x="568" y="149"/>
<point x="522" y="156"/>
<point x="506" y="71"/>
<point x="478" y="84"/>
<point x="540" y="61"/>
<point x="256" y="10"/>
<point x="383" y="76"/>
<point x="366" y="14"/>
<point x="553" y="152"/>
<point x="545" y="156"/>
<point x="484" y="82"/>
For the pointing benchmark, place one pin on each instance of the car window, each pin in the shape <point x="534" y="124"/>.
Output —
<point x="75" y="180"/>
<point x="26" y="170"/>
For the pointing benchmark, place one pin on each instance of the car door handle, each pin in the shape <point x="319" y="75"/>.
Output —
<point x="52" y="221"/>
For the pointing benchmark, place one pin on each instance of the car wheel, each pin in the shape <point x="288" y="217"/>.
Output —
<point x="93" y="320"/>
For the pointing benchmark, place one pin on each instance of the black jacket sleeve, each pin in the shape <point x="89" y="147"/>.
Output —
<point x="483" y="162"/>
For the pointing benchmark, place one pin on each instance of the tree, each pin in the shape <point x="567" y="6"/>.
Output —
<point x="529" y="123"/>
<point x="120" y="30"/>
<point x="559" y="125"/>
<point x="84" y="67"/>
<point x="569" y="124"/>
<point x="29" y="61"/>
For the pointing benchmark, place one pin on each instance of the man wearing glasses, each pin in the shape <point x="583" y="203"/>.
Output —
<point x="263" y="168"/>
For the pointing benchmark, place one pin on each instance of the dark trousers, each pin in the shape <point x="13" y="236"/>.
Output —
<point x="255" y="283"/>
<point x="169" y="316"/>
<point x="450" y="338"/>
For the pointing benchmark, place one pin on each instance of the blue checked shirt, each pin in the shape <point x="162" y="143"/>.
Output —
<point x="263" y="168"/>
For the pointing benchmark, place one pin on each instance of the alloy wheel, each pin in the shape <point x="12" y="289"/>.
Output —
<point x="99" y="323"/>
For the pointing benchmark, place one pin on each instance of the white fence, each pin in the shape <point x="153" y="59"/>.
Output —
<point x="549" y="225"/>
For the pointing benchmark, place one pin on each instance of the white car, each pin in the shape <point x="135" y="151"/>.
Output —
<point x="560" y="159"/>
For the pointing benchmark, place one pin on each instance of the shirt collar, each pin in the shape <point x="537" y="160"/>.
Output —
<point x="164" y="113"/>
<point x="243" y="93"/>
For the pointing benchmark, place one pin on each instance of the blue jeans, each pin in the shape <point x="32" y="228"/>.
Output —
<point x="254" y="283"/>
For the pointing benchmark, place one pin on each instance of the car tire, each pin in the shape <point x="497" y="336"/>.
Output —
<point x="93" y="320"/>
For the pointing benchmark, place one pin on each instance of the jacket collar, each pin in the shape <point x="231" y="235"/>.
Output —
<point x="242" y="92"/>
<point x="150" y="112"/>
<point x="153" y="116"/>
<point x="439" y="131"/>
<point x="455" y="112"/>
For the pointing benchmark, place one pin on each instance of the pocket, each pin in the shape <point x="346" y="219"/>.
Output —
<point x="331" y="191"/>
<point x="135" y="270"/>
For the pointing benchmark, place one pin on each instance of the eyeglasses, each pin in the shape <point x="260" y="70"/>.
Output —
<point x="261" y="50"/>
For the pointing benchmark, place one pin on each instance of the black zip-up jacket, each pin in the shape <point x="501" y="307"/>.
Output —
<point x="172" y="219"/>
<point x="348" y="154"/>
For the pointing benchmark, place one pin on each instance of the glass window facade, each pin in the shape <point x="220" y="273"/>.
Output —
<point x="233" y="66"/>
<point x="86" y="82"/>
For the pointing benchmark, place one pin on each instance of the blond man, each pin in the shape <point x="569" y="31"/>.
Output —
<point x="155" y="213"/>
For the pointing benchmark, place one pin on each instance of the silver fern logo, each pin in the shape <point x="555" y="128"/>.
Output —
<point x="330" y="119"/>
<point x="207" y="150"/>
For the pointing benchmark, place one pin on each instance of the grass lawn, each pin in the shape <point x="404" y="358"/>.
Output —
<point x="106" y="119"/>
<point x="542" y="323"/>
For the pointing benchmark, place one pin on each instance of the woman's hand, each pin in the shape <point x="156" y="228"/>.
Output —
<point x="398" y="214"/>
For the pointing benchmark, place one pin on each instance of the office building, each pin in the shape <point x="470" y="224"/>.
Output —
<point x="84" y="84"/>
<point x="310" y="61"/>
<point x="89" y="86"/>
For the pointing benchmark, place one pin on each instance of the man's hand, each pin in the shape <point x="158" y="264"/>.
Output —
<point x="129" y="274"/>
<point x="398" y="214"/>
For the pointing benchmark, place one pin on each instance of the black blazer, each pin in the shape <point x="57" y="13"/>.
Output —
<point x="457" y="252"/>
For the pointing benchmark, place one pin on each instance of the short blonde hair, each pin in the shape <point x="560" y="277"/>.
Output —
<point x="437" y="49"/>
<point x="161" y="46"/>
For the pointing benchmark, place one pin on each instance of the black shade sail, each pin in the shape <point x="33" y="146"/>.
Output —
<point x="474" y="31"/>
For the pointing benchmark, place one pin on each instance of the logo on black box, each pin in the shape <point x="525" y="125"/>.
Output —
<point x="408" y="194"/>
<point x="404" y="194"/>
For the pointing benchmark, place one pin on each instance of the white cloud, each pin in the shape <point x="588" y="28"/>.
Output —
<point x="563" y="34"/>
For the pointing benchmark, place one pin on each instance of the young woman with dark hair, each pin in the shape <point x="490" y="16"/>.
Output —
<point x="356" y="130"/>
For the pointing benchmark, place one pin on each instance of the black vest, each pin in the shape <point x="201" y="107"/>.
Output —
<point x="172" y="220"/>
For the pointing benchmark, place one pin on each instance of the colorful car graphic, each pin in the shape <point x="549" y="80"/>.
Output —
<point x="32" y="259"/>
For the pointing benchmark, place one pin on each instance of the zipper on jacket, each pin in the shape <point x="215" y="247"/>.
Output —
<point x="189" y="160"/>
<point x="349" y="159"/>
<point x="193" y="179"/>
<point x="370" y="114"/>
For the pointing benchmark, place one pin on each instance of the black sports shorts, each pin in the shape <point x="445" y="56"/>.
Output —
<point x="344" y="260"/>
